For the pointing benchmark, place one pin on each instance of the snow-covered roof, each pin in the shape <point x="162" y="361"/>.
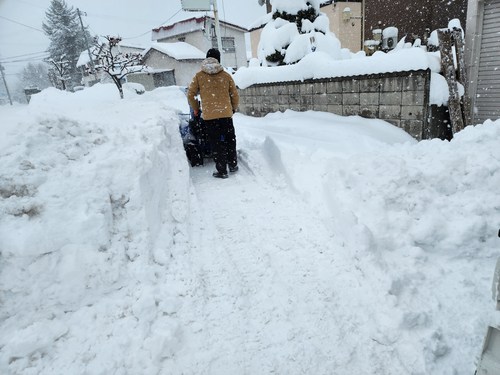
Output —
<point x="178" y="50"/>
<point x="189" y="23"/>
<point x="139" y="46"/>
<point x="148" y="69"/>
<point x="84" y="59"/>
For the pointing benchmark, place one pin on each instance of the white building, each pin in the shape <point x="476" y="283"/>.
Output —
<point x="199" y="31"/>
<point x="169" y="64"/>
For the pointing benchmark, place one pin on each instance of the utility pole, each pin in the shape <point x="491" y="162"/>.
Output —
<point x="5" y="83"/>
<point x="269" y="7"/>
<point x="206" y="6"/>
<point x="217" y="32"/>
<point x="85" y="37"/>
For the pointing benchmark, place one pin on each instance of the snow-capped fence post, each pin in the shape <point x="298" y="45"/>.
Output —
<point x="462" y="75"/>
<point x="448" y="70"/>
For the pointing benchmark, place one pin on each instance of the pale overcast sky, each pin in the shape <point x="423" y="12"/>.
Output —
<point x="22" y="38"/>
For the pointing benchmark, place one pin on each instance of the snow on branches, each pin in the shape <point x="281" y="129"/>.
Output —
<point x="113" y="62"/>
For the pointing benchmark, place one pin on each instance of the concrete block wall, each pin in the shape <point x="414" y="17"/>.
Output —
<point x="399" y="98"/>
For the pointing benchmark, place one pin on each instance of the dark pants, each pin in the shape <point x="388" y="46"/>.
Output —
<point x="223" y="141"/>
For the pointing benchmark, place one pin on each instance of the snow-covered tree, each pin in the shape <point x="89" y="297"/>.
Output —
<point x="113" y="62"/>
<point x="297" y="28"/>
<point x="35" y="75"/>
<point x="67" y="39"/>
<point x="59" y="73"/>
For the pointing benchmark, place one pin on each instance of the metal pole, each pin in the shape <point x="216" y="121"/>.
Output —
<point x="363" y="20"/>
<point x="5" y="83"/>
<point x="217" y="31"/>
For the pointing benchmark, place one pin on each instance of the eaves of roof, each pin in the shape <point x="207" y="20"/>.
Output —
<point x="198" y="20"/>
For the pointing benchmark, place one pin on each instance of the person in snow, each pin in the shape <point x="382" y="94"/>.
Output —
<point x="219" y="100"/>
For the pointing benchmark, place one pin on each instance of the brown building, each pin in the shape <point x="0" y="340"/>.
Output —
<point x="412" y="16"/>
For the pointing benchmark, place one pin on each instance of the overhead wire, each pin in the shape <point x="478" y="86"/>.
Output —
<point x="33" y="5"/>
<point x="138" y="36"/>
<point x="25" y="54"/>
<point x="22" y="24"/>
<point x="36" y="58"/>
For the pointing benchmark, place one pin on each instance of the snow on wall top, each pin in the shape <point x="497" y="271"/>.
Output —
<point x="322" y="65"/>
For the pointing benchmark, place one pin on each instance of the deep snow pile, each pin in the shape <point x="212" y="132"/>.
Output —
<point x="342" y="246"/>
<point x="90" y="186"/>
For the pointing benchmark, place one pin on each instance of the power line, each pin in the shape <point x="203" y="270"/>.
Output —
<point x="26" y="54"/>
<point x="37" y="58"/>
<point x="33" y="5"/>
<point x="176" y="13"/>
<point x="22" y="24"/>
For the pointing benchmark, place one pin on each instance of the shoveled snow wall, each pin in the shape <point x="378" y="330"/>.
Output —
<point x="400" y="98"/>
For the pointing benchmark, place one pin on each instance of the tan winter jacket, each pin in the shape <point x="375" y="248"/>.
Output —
<point x="218" y="93"/>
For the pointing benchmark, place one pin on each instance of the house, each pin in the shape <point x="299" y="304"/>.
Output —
<point x="345" y="22"/>
<point x="412" y="18"/>
<point x="84" y="61"/>
<point x="355" y="21"/>
<point x="483" y="58"/>
<point x="198" y="30"/>
<point x="168" y="64"/>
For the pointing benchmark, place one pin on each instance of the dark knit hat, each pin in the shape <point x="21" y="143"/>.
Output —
<point x="214" y="52"/>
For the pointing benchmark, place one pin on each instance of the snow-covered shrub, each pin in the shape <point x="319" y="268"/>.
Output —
<point x="296" y="29"/>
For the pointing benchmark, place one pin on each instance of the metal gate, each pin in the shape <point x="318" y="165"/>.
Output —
<point x="488" y="85"/>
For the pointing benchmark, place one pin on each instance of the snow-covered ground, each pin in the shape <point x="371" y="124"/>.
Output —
<point x="342" y="246"/>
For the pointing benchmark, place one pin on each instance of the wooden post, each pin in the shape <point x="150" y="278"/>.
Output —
<point x="448" y="70"/>
<point x="462" y="75"/>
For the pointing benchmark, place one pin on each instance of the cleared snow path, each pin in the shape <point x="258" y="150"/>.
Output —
<point x="277" y="295"/>
<point x="258" y="272"/>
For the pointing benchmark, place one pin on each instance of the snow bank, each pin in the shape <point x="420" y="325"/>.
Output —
<point x="418" y="221"/>
<point x="94" y="192"/>
<point x="342" y="245"/>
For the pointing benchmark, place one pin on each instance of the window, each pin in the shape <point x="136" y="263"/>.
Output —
<point x="228" y="45"/>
